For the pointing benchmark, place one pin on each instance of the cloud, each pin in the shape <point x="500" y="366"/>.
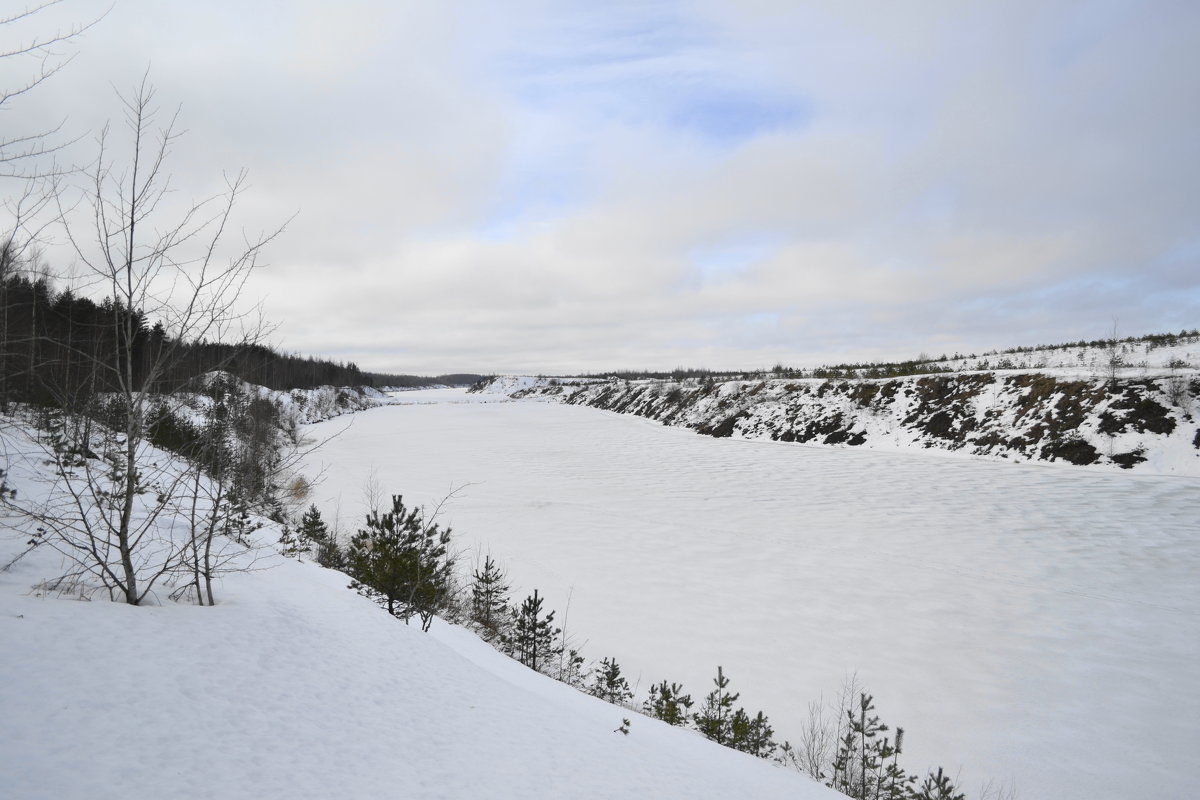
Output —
<point x="562" y="186"/>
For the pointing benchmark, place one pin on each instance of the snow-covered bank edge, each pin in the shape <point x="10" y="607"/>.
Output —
<point x="1146" y="423"/>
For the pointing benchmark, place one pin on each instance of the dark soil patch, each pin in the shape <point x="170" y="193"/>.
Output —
<point x="1128" y="460"/>
<point x="723" y="429"/>
<point x="864" y="393"/>
<point x="832" y="430"/>
<point x="887" y="392"/>
<point x="1110" y="424"/>
<point x="989" y="440"/>
<point x="1141" y="412"/>
<point x="1072" y="449"/>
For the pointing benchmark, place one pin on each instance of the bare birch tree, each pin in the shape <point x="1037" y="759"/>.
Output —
<point x="188" y="274"/>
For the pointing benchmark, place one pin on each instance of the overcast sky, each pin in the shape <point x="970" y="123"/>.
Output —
<point x="567" y="186"/>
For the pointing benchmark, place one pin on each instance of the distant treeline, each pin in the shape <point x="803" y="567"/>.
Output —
<point x="921" y="365"/>
<point x="59" y="348"/>
<point x="677" y="374"/>
<point x="924" y="364"/>
<point x="386" y="380"/>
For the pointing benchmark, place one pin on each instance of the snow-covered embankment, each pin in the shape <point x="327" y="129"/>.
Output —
<point x="1147" y="423"/>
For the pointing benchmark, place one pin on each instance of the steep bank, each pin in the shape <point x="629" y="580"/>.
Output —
<point x="1147" y="422"/>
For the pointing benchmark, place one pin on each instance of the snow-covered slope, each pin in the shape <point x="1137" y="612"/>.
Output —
<point x="295" y="687"/>
<point x="1146" y="423"/>
<point x="296" y="407"/>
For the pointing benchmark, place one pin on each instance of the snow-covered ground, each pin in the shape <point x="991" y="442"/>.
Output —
<point x="1033" y="623"/>
<point x="294" y="687"/>
<point x="1144" y="358"/>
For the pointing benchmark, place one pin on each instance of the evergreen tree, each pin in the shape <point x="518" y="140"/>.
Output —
<point x="532" y="637"/>
<point x="489" y="599"/>
<point x="312" y="533"/>
<point x="939" y="787"/>
<point x="238" y="523"/>
<point x="401" y="559"/>
<point x="571" y="669"/>
<point x="316" y="538"/>
<point x="896" y="783"/>
<point x="289" y="543"/>
<point x="668" y="703"/>
<point x="715" y="717"/>
<point x="753" y="735"/>
<point x="608" y="684"/>
<point x="858" y="768"/>
<point x="329" y="555"/>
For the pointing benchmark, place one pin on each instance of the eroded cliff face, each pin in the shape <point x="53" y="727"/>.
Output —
<point x="1146" y="423"/>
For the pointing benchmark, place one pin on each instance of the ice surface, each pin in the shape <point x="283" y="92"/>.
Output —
<point x="1033" y="623"/>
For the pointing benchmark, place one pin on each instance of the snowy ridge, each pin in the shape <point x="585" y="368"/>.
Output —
<point x="306" y="406"/>
<point x="511" y="384"/>
<point x="296" y="407"/>
<point x="1147" y="356"/>
<point x="1147" y="423"/>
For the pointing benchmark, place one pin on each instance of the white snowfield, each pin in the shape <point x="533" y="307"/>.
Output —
<point x="1033" y="624"/>
<point x="295" y="687"/>
<point x="1132" y="359"/>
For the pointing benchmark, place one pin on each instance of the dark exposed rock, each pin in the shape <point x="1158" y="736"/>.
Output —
<point x="1073" y="449"/>
<point x="1128" y="460"/>
<point x="723" y="429"/>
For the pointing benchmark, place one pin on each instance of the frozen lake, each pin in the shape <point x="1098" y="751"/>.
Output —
<point x="1026" y="623"/>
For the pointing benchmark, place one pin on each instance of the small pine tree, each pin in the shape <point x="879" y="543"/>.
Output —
<point x="608" y="684"/>
<point x="939" y="787"/>
<point x="289" y="543"/>
<point x="532" y="637"/>
<point x="896" y="784"/>
<point x="329" y="555"/>
<point x="402" y="559"/>
<point x="753" y="735"/>
<point x="312" y="532"/>
<point x="861" y="767"/>
<point x="668" y="703"/>
<point x="716" y="715"/>
<point x="238" y="523"/>
<point x="489" y="600"/>
<point x="570" y="670"/>
<point x="316" y="538"/>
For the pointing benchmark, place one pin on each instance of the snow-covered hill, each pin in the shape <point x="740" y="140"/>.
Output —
<point x="295" y="687"/>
